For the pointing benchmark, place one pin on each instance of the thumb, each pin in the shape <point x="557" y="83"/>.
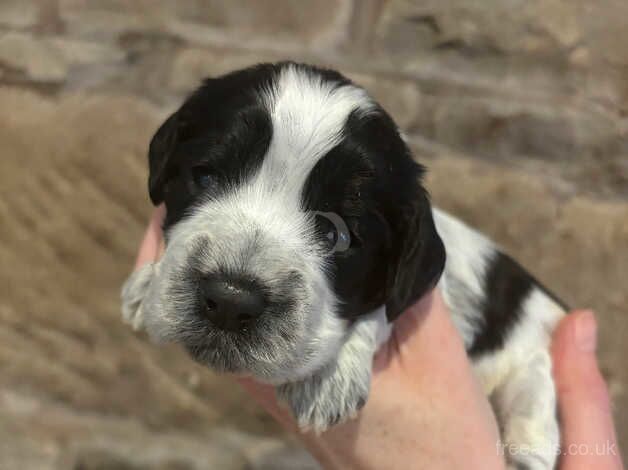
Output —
<point x="152" y="247"/>
<point x="588" y="435"/>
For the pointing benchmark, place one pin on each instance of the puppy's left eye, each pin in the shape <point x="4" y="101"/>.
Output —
<point x="334" y="231"/>
<point x="202" y="176"/>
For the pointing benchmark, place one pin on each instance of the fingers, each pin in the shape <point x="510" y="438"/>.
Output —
<point x="425" y="330"/>
<point x="584" y="406"/>
<point x="425" y="380"/>
<point x="152" y="243"/>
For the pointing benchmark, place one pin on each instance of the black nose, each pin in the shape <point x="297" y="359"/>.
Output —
<point x="230" y="304"/>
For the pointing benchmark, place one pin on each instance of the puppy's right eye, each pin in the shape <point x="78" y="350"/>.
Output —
<point x="334" y="231"/>
<point x="203" y="177"/>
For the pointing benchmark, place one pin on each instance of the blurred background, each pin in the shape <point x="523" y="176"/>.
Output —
<point x="518" y="107"/>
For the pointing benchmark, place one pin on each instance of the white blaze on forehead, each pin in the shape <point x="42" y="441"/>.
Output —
<point x="308" y="114"/>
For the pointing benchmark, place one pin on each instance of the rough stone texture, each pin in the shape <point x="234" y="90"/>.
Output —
<point x="518" y="107"/>
<point x="15" y="14"/>
<point x="50" y="60"/>
<point x="515" y="80"/>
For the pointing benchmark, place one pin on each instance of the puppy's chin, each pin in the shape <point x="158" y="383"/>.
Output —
<point x="270" y="351"/>
<point x="224" y="358"/>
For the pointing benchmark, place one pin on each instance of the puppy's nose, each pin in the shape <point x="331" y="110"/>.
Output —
<point x="230" y="304"/>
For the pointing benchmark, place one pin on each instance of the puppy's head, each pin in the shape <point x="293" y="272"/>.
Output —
<point x="293" y="207"/>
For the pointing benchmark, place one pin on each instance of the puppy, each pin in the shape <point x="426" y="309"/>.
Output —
<point x="297" y="230"/>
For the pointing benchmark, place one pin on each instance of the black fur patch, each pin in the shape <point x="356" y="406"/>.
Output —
<point x="371" y="180"/>
<point x="343" y="182"/>
<point x="507" y="285"/>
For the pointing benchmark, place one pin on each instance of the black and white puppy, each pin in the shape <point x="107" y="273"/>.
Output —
<point x="297" y="229"/>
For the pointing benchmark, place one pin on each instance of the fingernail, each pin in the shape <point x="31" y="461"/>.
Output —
<point x="586" y="331"/>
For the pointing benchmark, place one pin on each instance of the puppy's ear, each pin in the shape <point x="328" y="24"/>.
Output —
<point x="159" y="154"/>
<point x="418" y="255"/>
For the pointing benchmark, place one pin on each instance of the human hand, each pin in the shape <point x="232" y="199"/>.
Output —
<point x="152" y="246"/>
<point x="588" y="433"/>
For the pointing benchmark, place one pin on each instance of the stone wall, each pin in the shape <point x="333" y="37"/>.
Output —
<point x="518" y="107"/>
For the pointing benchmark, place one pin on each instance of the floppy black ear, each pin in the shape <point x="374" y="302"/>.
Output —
<point x="418" y="255"/>
<point x="159" y="154"/>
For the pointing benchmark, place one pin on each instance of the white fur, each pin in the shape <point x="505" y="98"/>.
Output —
<point x="133" y="294"/>
<point x="308" y="115"/>
<point x="462" y="284"/>
<point x="337" y="391"/>
<point x="519" y="378"/>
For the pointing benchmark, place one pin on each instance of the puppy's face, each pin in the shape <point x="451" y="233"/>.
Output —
<point x="293" y="208"/>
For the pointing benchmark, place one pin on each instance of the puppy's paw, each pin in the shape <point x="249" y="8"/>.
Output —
<point x="327" y="398"/>
<point x="525" y="407"/>
<point x="133" y="292"/>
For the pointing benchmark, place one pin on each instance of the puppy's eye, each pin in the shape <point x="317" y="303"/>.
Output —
<point x="334" y="231"/>
<point x="202" y="176"/>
